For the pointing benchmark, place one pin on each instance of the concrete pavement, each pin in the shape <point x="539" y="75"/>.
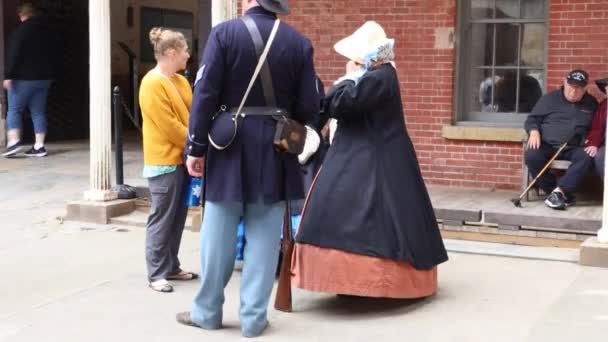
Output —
<point x="89" y="285"/>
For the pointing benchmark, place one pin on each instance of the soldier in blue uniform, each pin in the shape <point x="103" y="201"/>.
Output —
<point x="250" y="178"/>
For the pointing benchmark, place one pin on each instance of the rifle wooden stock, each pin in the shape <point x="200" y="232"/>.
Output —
<point x="282" y="300"/>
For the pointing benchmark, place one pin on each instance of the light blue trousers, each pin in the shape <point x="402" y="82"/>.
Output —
<point x="217" y="249"/>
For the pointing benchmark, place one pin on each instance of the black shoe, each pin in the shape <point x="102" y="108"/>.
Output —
<point x="185" y="319"/>
<point x="569" y="200"/>
<point x="556" y="200"/>
<point x="33" y="152"/>
<point x="12" y="150"/>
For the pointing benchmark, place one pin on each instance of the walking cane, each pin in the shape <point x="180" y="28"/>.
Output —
<point x="517" y="201"/>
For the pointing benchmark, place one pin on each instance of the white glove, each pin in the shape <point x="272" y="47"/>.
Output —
<point x="311" y="145"/>
<point x="333" y="126"/>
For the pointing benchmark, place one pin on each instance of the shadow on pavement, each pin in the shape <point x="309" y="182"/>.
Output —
<point x="355" y="307"/>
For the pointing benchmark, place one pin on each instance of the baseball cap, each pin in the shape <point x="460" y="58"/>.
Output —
<point x="577" y="77"/>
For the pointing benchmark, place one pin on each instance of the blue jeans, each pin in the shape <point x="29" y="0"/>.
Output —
<point x="217" y="248"/>
<point x="31" y="95"/>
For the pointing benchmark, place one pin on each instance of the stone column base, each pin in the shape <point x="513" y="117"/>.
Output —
<point x="98" y="212"/>
<point x="100" y="195"/>
<point x="594" y="253"/>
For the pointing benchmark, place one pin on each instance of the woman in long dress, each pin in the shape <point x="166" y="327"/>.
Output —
<point x="368" y="227"/>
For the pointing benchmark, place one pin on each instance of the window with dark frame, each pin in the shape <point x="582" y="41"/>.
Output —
<point x="502" y="60"/>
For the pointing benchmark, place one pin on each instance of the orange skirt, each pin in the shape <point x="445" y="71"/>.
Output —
<point x="334" y="271"/>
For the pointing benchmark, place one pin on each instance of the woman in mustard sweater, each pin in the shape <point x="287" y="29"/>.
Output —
<point x="165" y="99"/>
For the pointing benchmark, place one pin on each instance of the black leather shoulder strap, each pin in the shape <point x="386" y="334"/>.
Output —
<point x="265" y="76"/>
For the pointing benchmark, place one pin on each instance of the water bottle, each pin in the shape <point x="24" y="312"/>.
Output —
<point x="194" y="191"/>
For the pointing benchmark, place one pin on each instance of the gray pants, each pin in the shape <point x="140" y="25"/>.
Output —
<point x="165" y="223"/>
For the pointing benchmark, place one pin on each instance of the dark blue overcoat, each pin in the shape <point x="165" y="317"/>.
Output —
<point x="251" y="168"/>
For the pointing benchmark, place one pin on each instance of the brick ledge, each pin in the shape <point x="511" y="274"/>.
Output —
<point x="483" y="133"/>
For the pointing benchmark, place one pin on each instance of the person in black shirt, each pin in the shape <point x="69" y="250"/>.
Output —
<point x="563" y="115"/>
<point x="30" y="68"/>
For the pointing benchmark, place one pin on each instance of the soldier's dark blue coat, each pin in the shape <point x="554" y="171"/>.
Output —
<point x="251" y="167"/>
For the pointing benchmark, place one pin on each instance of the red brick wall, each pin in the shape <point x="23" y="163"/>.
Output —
<point x="577" y="38"/>
<point x="426" y="73"/>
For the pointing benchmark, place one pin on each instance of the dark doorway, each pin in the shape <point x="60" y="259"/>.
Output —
<point x="68" y="104"/>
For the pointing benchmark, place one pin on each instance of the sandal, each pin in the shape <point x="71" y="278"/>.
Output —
<point x="161" y="285"/>
<point x="183" y="275"/>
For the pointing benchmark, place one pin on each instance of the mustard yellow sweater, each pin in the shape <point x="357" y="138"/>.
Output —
<point x="165" y="117"/>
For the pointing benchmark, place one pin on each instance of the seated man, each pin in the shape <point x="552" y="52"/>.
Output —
<point x="596" y="145"/>
<point x="563" y="115"/>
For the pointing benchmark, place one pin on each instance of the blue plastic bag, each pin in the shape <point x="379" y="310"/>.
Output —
<point x="295" y="221"/>
<point x="194" y="189"/>
<point x="240" y="240"/>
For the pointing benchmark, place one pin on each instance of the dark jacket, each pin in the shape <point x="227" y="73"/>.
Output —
<point x="33" y="51"/>
<point x="597" y="133"/>
<point x="251" y="167"/>
<point x="369" y="197"/>
<point x="559" y="120"/>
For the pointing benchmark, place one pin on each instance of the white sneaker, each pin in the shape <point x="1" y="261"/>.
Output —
<point x="161" y="285"/>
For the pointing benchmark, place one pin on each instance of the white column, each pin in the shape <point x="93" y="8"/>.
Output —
<point x="222" y="10"/>
<point x="602" y="234"/>
<point x="2" y="100"/>
<point x="100" y="102"/>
